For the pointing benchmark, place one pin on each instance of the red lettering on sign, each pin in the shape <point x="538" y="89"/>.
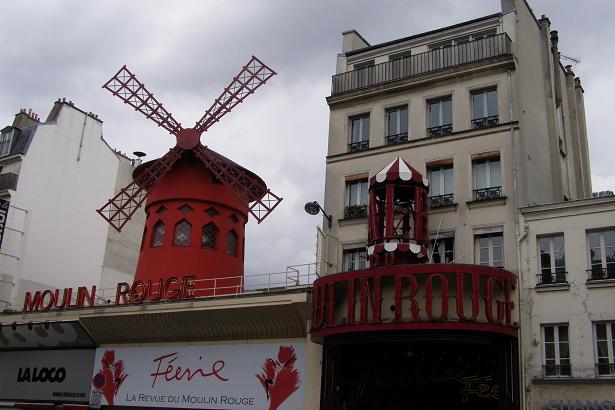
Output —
<point x="172" y="372"/>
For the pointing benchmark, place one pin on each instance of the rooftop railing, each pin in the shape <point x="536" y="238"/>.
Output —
<point x="423" y="63"/>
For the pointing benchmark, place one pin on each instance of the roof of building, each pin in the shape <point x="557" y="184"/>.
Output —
<point x="21" y="139"/>
<point x="401" y="40"/>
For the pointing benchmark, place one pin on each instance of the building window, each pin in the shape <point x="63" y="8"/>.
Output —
<point x="183" y="230"/>
<point x="157" y="235"/>
<point x="359" y="133"/>
<point x="487" y="179"/>
<point x="355" y="259"/>
<point x="556" y="350"/>
<point x="184" y="209"/>
<point x="364" y="73"/>
<point x="397" y="125"/>
<point x="209" y="236"/>
<point x="552" y="259"/>
<point x="5" y="142"/>
<point x="231" y="243"/>
<point x="356" y="199"/>
<point x="490" y="250"/>
<point x="439" y="117"/>
<point x="485" y="108"/>
<point x="443" y="250"/>
<point x="441" y="185"/>
<point x="604" y="335"/>
<point x="602" y="254"/>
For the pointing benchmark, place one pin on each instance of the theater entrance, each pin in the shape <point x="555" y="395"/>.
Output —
<point x="420" y="371"/>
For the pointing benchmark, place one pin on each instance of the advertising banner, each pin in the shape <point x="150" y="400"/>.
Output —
<point x="241" y="376"/>
<point x="46" y="375"/>
<point x="4" y="210"/>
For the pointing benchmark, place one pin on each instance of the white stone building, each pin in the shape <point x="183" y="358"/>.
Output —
<point x="56" y="173"/>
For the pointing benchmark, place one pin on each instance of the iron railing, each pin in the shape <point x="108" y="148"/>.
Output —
<point x="355" y="211"/>
<point x="605" y="369"/>
<point x="485" y="122"/>
<point x="441" y="200"/>
<point x="556" y="370"/>
<point x="8" y="181"/>
<point x="397" y="138"/>
<point x="422" y="63"/>
<point x="485" y="194"/>
<point x="598" y="273"/>
<point x="548" y="278"/>
<point x="440" y="130"/>
<point x="358" y="146"/>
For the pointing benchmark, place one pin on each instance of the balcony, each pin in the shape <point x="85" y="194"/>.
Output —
<point x="600" y="273"/>
<point x="551" y="278"/>
<point x="8" y="181"/>
<point x="556" y="370"/>
<point x="440" y="131"/>
<point x="424" y="63"/>
<point x="396" y="138"/>
<point x="485" y="122"/>
<point x="487" y="194"/>
<point x="605" y="369"/>
<point x="358" y="146"/>
<point x="355" y="211"/>
<point x="438" y="201"/>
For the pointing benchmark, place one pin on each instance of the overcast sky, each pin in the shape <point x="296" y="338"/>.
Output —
<point x="186" y="52"/>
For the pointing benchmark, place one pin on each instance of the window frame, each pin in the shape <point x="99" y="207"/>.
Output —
<point x="154" y="243"/>
<point x="356" y="259"/>
<point x="449" y="248"/>
<point x="399" y="135"/>
<point x="557" y="358"/>
<point x="215" y="237"/>
<point x="235" y="242"/>
<point x="610" y="341"/>
<point x="603" y="270"/>
<point x="363" y="142"/>
<point x="438" y="101"/>
<point x="6" y="140"/>
<point x="490" y="249"/>
<point x="441" y="177"/>
<point x="485" y="120"/>
<point x="356" y="209"/>
<point x="189" y="233"/>
<point x="552" y="273"/>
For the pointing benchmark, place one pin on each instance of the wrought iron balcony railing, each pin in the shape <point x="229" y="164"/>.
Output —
<point x="605" y="369"/>
<point x="440" y="130"/>
<point x="397" y="138"/>
<point x="8" y="181"/>
<point x="556" y="370"/>
<point x="485" y="194"/>
<point x="598" y="273"/>
<point x="358" y="146"/>
<point x="441" y="200"/>
<point x="355" y="211"/>
<point x="485" y="122"/>
<point x="549" y="278"/>
<point x="422" y="63"/>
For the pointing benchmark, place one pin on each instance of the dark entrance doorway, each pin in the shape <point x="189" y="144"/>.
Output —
<point x="420" y="371"/>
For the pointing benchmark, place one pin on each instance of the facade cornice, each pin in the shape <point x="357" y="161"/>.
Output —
<point x="569" y="208"/>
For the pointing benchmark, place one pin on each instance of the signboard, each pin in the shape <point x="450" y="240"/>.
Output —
<point x="46" y="375"/>
<point x="4" y="210"/>
<point x="242" y="376"/>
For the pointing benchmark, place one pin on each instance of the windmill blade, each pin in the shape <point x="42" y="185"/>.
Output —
<point x="252" y="76"/>
<point x="245" y="185"/>
<point x="125" y="85"/>
<point x="122" y="206"/>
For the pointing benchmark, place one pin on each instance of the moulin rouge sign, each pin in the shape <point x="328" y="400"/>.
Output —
<point x="448" y="296"/>
<point x="172" y="289"/>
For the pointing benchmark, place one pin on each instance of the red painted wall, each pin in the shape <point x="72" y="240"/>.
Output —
<point x="189" y="183"/>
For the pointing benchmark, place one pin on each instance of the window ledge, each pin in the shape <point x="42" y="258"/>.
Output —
<point x="352" y="221"/>
<point x="600" y="283"/>
<point x="549" y="287"/>
<point x="573" y="380"/>
<point x="480" y="203"/>
<point x="444" y="208"/>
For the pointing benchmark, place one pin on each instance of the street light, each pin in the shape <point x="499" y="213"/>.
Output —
<point x="313" y="208"/>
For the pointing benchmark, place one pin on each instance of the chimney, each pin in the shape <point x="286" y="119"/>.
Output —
<point x="25" y="119"/>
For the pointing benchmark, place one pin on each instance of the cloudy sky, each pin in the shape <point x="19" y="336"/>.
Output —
<point x="187" y="51"/>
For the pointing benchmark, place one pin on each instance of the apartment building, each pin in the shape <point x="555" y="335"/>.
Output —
<point x="55" y="174"/>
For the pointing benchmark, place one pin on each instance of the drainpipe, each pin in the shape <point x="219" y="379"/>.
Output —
<point x="85" y="119"/>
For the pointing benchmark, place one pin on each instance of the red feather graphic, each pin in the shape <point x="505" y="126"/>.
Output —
<point x="114" y="375"/>
<point x="279" y="378"/>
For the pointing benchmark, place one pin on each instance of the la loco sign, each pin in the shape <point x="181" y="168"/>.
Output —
<point x="255" y="376"/>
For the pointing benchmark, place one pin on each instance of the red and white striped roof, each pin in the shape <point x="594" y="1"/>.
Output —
<point x="398" y="169"/>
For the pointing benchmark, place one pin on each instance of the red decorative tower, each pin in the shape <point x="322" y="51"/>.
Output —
<point x="398" y="216"/>
<point x="198" y="201"/>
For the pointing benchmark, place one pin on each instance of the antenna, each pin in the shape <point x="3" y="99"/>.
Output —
<point x="435" y="242"/>
<point x="574" y="60"/>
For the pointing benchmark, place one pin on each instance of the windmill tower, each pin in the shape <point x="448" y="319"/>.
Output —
<point x="197" y="201"/>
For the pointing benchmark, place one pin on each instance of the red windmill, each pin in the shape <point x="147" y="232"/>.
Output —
<point x="197" y="200"/>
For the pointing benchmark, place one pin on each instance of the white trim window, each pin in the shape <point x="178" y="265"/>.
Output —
<point x="359" y="133"/>
<point x="601" y="247"/>
<point x="441" y="180"/>
<point x="489" y="249"/>
<point x="556" y="350"/>
<point x="443" y="249"/>
<point x="484" y="108"/>
<point x="5" y="142"/>
<point x="397" y="125"/>
<point x="604" y="335"/>
<point x="356" y="198"/>
<point x="487" y="178"/>
<point x="439" y="117"/>
<point x="552" y="260"/>
<point x="355" y="259"/>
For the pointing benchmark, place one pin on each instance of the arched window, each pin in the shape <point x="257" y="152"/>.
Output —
<point x="209" y="236"/>
<point x="231" y="243"/>
<point x="183" y="230"/>
<point x="157" y="235"/>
